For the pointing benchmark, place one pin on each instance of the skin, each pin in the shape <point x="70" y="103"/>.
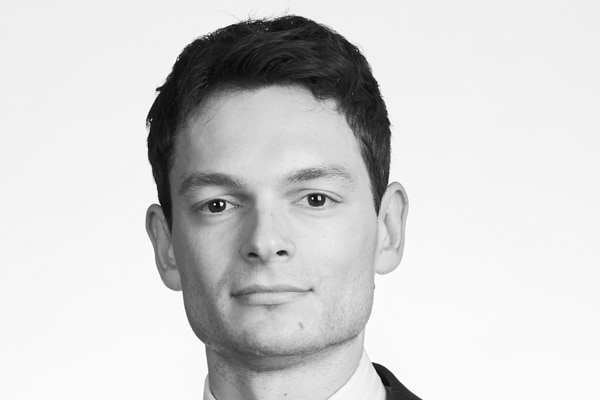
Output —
<point x="275" y="242"/>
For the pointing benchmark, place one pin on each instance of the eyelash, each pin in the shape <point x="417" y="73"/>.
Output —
<point x="329" y="202"/>
<point x="205" y="207"/>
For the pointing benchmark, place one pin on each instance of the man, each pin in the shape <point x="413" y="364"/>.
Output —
<point x="270" y="147"/>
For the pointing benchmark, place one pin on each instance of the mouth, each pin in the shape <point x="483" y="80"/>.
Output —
<point x="258" y="295"/>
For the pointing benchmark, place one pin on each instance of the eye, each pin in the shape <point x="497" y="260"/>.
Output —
<point x="316" y="199"/>
<point x="216" y="206"/>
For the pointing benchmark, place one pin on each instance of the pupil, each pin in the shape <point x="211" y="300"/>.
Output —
<point x="216" y="206"/>
<point x="316" y="200"/>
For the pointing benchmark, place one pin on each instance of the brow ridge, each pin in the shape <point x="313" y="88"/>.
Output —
<point x="335" y="172"/>
<point x="203" y="179"/>
<point x="200" y="180"/>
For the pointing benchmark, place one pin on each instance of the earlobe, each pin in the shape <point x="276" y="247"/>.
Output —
<point x="160" y="236"/>
<point x="391" y="225"/>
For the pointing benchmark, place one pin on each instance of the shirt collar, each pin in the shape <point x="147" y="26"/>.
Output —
<point x="363" y="384"/>
<point x="207" y="393"/>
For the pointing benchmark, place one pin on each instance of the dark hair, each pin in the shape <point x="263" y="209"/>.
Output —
<point x="289" y="50"/>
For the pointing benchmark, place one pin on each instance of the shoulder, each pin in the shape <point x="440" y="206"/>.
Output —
<point x="395" y="389"/>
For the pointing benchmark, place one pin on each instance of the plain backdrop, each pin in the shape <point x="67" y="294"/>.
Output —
<point x="495" y="108"/>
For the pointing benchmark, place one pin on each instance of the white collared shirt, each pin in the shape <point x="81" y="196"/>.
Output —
<point x="363" y="384"/>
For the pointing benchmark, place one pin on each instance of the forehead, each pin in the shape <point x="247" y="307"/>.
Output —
<point x="276" y="127"/>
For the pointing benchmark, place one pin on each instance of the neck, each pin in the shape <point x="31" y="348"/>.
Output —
<point x="315" y="376"/>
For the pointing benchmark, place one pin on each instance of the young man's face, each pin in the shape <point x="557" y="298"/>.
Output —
<point x="274" y="230"/>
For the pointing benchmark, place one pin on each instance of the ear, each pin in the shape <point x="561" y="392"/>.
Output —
<point x="160" y="236"/>
<point x="391" y="222"/>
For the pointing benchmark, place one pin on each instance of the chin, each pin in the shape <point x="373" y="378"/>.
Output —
<point x="271" y="347"/>
<point x="272" y="340"/>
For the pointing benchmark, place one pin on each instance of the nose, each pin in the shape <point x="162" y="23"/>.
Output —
<point x="267" y="238"/>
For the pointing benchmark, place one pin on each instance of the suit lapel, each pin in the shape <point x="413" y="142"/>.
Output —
<point x="395" y="390"/>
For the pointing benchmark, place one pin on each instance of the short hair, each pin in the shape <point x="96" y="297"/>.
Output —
<point x="289" y="50"/>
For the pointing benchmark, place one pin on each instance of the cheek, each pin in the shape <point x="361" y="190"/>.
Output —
<point x="352" y="240"/>
<point x="203" y="264"/>
<point x="345" y="257"/>
<point x="203" y="257"/>
<point x="347" y="288"/>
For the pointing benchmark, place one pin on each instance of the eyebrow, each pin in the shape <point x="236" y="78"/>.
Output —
<point x="334" y="172"/>
<point x="203" y="179"/>
<point x="200" y="180"/>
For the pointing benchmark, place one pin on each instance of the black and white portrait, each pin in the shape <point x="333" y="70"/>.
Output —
<point x="300" y="200"/>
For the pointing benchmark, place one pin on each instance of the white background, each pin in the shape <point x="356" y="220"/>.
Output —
<point x="496" y="114"/>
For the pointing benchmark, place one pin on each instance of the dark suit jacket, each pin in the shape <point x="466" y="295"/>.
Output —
<point x="395" y="390"/>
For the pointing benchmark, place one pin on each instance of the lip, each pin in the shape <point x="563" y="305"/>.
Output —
<point x="258" y="295"/>
<point x="268" y="289"/>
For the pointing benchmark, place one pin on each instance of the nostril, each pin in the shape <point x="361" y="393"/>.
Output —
<point x="252" y="255"/>
<point x="282" y="253"/>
